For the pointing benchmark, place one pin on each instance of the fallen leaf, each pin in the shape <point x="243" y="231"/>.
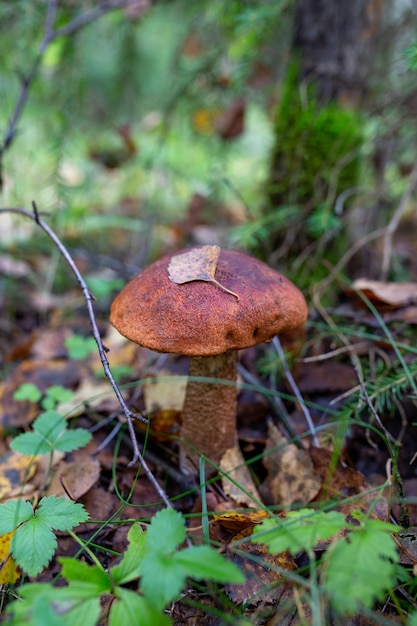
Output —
<point x="263" y="582"/>
<point x="165" y="393"/>
<point x="9" y="571"/>
<point x="197" y="264"/>
<point x="90" y="393"/>
<point x="291" y="474"/>
<point x="386" y="293"/>
<point x="75" y="478"/>
<point x="233" y="464"/>
<point x="236" y="521"/>
<point x="15" y="471"/>
<point x="340" y="481"/>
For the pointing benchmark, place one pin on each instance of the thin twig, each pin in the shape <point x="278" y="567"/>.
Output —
<point x="278" y="347"/>
<point x="130" y="415"/>
<point x="90" y="16"/>
<point x="50" y="35"/>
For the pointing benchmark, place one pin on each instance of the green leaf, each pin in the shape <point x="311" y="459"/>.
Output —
<point x="13" y="513"/>
<point x="49" y="425"/>
<point x="33" y="545"/>
<point x="128" y="569"/>
<point x="134" y="610"/>
<point x="360" y="569"/>
<point x="161" y="579"/>
<point x="204" y="563"/>
<point x="58" y="393"/>
<point x="42" y="613"/>
<point x="50" y="433"/>
<point x="72" y="439"/>
<point x="30" y="443"/>
<point x="28" y="391"/>
<point x="64" y="604"/>
<point x="85" y="580"/>
<point x="46" y="429"/>
<point x="166" y="531"/>
<point x="80" y="347"/>
<point x="301" y="530"/>
<point x="60" y="513"/>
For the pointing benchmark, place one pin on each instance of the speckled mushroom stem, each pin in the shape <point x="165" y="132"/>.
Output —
<point x="209" y="413"/>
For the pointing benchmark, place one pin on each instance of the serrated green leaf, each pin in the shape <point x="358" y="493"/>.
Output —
<point x="33" y="545"/>
<point x="166" y="531"/>
<point x="49" y="425"/>
<point x="30" y="443"/>
<point x="72" y="609"/>
<point x="90" y="579"/>
<point x="13" y="513"/>
<point x="161" y="579"/>
<point x="204" y="563"/>
<point x="132" y="609"/>
<point x="301" y="530"/>
<point x="129" y="567"/>
<point x="42" y="613"/>
<point x="72" y="439"/>
<point x="60" y="513"/>
<point x="359" y="570"/>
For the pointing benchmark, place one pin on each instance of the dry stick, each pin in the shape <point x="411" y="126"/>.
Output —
<point x="394" y="222"/>
<point x="130" y="416"/>
<point x="293" y="385"/>
<point x="49" y="36"/>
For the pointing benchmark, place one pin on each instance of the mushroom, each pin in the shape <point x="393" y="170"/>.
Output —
<point x="209" y="324"/>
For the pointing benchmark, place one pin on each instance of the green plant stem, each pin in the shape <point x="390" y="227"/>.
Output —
<point x="86" y="549"/>
<point x="204" y="512"/>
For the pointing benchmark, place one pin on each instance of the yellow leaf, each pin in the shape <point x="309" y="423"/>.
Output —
<point x="9" y="571"/>
<point x="237" y="521"/>
<point x="197" y="264"/>
<point x="15" y="471"/>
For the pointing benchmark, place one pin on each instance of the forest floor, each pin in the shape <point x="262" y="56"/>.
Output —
<point x="45" y="340"/>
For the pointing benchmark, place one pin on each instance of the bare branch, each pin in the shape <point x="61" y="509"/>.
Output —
<point x="90" y="16"/>
<point x="49" y="35"/>
<point x="130" y="416"/>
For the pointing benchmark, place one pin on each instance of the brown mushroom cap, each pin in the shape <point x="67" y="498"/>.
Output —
<point x="199" y="319"/>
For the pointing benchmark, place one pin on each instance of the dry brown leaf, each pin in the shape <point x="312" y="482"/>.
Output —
<point x="339" y="480"/>
<point x="197" y="264"/>
<point x="91" y="393"/>
<point x="165" y="394"/>
<point x="385" y="293"/>
<point x="291" y="475"/>
<point x="233" y="464"/>
<point x="15" y="472"/>
<point x="73" y="479"/>
<point x="263" y="581"/>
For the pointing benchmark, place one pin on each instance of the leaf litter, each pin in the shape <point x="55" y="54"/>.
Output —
<point x="291" y="475"/>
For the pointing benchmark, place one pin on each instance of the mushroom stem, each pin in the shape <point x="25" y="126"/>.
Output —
<point x="209" y="413"/>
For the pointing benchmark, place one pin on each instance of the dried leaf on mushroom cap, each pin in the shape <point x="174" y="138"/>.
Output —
<point x="197" y="264"/>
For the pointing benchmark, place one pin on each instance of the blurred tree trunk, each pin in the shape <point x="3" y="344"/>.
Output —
<point x="318" y="132"/>
<point x="337" y="42"/>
